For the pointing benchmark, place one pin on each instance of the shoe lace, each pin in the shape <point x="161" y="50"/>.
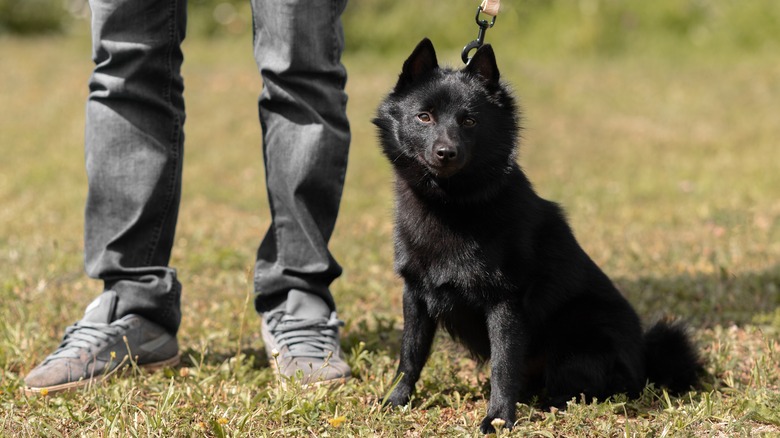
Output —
<point x="85" y="335"/>
<point x="317" y="338"/>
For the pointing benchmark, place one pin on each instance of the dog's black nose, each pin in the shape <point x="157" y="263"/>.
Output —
<point x="446" y="153"/>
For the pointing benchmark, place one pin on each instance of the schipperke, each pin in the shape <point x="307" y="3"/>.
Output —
<point x="498" y="267"/>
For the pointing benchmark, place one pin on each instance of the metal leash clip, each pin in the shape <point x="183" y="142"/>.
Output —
<point x="484" y="25"/>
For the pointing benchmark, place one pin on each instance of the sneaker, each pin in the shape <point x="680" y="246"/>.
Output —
<point x="300" y="338"/>
<point x="96" y="347"/>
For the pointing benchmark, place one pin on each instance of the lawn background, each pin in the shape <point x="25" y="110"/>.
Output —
<point x="655" y="125"/>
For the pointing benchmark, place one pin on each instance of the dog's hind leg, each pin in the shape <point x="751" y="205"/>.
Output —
<point x="507" y="345"/>
<point x="419" y="330"/>
<point x="573" y="378"/>
<point x="589" y="376"/>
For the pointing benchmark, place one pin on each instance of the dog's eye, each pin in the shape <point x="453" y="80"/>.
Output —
<point x="468" y="122"/>
<point x="425" y="117"/>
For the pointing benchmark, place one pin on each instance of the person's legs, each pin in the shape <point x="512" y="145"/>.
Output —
<point x="298" y="47"/>
<point x="134" y="138"/>
<point x="134" y="145"/>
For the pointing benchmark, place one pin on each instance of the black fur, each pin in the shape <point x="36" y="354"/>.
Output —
<point x="497" y="266"/>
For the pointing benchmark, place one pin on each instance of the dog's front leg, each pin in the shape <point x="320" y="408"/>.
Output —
<point x="506" y="359"/>
<point x="419" y="329"/>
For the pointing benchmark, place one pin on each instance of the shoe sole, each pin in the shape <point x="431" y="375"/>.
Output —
<point x="316" y="384"/>
<point x="71" y="386"/>
<point x="336" y="381"/>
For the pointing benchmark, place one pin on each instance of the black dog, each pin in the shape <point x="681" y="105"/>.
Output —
<point x="496" y="265"/>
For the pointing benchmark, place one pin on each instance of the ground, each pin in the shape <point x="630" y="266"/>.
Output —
<point x="667" y="168"/>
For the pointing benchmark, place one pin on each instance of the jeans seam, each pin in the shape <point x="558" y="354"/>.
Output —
<point x="174" y="140"/>
<point x="334" y="38"/>
<point x="337" y="33"/>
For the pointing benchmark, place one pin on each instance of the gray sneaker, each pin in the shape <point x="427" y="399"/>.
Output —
<point x="96" y="347"/>
<point x="298" y="340"/>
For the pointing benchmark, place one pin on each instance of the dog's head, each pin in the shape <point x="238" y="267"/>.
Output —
<point x="441" y="125"/>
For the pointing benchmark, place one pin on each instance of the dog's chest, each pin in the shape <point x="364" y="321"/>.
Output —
<point x="448" y="255"/>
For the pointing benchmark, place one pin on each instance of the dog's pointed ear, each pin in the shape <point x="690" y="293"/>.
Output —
<point x="420" y="63"/>
<point x="483" y="64"/>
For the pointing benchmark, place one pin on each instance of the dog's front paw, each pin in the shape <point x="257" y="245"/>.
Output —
<point x="490" y="423"/>
<point x="397" y="398"/>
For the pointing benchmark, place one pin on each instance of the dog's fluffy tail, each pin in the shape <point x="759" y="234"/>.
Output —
<point x="671" y="359"/>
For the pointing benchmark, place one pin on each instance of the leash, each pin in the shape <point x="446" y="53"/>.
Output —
<point x="488" y="7"/>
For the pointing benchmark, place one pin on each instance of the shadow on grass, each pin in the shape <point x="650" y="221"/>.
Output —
<point x="706" y="300"/>
<point x="378" y="332"/>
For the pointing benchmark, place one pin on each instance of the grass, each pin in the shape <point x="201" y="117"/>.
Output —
<point x="666" y="167"/>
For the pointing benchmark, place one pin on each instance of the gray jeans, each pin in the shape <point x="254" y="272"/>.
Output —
<point x="134" y="147"/>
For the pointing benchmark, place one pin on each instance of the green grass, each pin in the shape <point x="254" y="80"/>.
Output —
<point x="667" y="167"/>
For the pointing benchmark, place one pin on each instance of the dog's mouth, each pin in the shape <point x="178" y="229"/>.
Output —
<point x="445" y="172"/>
<point x="441" y="170"/>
